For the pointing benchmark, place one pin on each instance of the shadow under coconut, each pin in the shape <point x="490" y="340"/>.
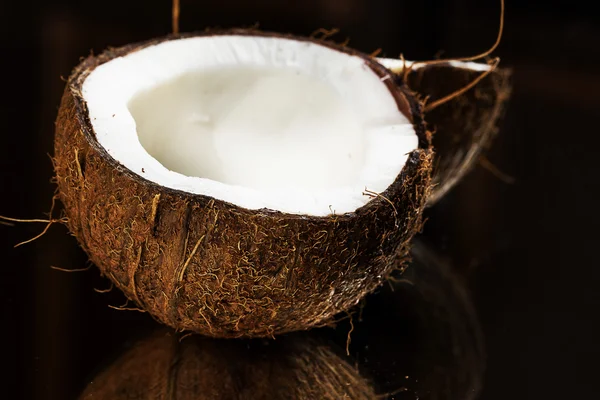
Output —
<point x="417" y="340"/>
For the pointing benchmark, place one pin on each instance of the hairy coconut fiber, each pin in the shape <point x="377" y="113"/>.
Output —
<point x="166" y="366"/>
<point x="465" y="126"/>
<point x="198" y="263"/>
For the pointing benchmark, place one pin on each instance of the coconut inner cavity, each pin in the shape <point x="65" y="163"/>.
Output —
<point x="260" y="122"/>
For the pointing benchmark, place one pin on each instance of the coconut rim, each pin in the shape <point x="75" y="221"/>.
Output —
<point x="407" y="105"/>
<point x="397" y="66"/>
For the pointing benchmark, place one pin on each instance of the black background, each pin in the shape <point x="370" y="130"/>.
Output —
<point x="527" y="250"/>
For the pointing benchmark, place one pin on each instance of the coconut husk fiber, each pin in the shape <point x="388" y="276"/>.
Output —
<point x="464" y="127"/>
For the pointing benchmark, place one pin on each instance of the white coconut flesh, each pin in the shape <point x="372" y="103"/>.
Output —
<point x="397" y="65"/>
<point x="260" y="122"/>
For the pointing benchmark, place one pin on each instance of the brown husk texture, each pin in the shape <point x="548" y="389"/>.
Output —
<point x="201" y="264"/>
<point x="194" y="368"/>
<point x="465" y="126"/>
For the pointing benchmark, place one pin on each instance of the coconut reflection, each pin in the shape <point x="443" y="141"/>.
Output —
<point x="417" y="338"/>
<point x="171" y="366"/>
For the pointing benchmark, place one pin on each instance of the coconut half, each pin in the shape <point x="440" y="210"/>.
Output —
<point x="241" y="183"/>
<point x="464" y="127"/>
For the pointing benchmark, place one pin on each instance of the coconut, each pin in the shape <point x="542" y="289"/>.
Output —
<point x="241" y="183"/>
<point x="463" y="127"/>
<point x="167" y="366"/>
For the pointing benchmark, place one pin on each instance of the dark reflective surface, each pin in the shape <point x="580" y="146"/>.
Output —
<point x="526" y="251"/>
<point x="171" y="366"/>
<point x="418" y="338"/>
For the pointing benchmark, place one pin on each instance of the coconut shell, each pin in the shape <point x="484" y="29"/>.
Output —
<point x="198" y="263"/>
<point x="166" y="366"/>
<point x="465" y="126"/>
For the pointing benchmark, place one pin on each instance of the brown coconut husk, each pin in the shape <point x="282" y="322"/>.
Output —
<point x="463" y="105"/>
<point x="464" y="127"/>
<point x="198" y="263"/>
<point x="167" y="366"/>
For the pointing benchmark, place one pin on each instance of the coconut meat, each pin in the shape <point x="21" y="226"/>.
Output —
<point x="260" y="122"/>
<point x="397" y="65"/>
